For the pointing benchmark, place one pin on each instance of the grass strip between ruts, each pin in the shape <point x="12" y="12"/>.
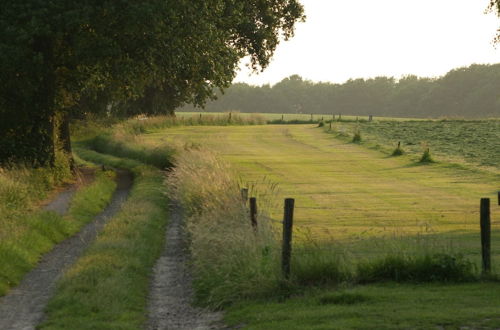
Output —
<point x="39" y="231"/>
<point x="108" y="286"/>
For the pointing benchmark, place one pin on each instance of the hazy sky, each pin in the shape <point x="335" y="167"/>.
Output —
<point x="344" y="39"/>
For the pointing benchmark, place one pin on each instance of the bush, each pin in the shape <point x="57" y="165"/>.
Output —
<point x="426" y="157"/>
<point x="398" y="151"/>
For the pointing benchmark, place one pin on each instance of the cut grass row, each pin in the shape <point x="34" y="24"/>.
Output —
<point x="459" y="141"/>
<point x="108" y="286"/>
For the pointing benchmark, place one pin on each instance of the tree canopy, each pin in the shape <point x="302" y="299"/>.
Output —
<point x="64" y="56"/>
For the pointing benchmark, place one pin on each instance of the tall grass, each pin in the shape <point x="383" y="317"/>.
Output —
<point x="230" y="259"/>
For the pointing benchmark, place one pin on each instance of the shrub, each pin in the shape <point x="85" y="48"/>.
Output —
<point x="426" y="157"/>
<point x="398" y="151"/>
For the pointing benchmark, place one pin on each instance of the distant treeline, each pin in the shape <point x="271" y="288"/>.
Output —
<point x="465" y="92"/>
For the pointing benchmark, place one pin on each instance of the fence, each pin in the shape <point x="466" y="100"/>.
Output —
<point x="289" y="204"/>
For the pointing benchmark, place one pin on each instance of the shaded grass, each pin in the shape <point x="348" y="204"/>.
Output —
<point x="107" y="288"/>
<point x="382" y="306"/>
<point x="34" y="233"/>
<point x="473" y="142"/>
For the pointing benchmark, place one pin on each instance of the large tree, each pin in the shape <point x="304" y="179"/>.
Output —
<point x="495" y="7"/>
<point x="58" y="56"/>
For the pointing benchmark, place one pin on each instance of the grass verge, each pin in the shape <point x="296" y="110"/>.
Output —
<point x="108" y="287"/>
<point x="34" y="233"/>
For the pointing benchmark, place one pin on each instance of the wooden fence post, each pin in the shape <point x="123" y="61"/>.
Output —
<point x="253" y="212"/>
<point x="311" y="117"/>
<point x="486" y="235"/>
<point x="370" y="118"/>
<point x="282" y="117"/>
<point x="330" y="126"/>
<point x="287" y="237"/>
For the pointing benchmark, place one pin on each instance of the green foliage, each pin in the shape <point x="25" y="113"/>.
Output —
<point x="426" y="157"/>
<point x="230" y="260"/>
<point x="73" y="57"/>
<point x="320" y="263"/>
<point x="462" y="92"/>
<point x="422" y="268"/>
<point x="398" y="151"/>
<point x="159" y="157"/>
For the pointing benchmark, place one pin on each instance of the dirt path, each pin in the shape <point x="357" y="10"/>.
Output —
<point x="171" y="292"/>
<point x="60" y="204"/>
<point x="23" y="307"/>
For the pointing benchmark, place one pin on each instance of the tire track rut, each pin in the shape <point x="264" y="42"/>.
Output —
<point x="23" y="307"/>
<point x="171" y="292"/>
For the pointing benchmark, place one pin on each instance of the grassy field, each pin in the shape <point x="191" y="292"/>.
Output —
<point x="343" y="190"/>
<point x="368" y="205"/>
<point x="459" y="141"/>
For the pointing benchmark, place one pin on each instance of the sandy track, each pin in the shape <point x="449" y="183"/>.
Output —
<point x="23" y="308"/>
<point x="171" y="292"/>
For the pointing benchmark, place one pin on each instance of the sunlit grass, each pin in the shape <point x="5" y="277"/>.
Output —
<point x="346" y="192"/>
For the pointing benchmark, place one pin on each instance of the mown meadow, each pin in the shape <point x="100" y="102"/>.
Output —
<point x="362" y="216"/>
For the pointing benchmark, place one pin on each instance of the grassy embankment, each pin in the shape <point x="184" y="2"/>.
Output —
<point x="368" y="208"/>
<point x="108" y="286"/>
<point x="27" y="231"/>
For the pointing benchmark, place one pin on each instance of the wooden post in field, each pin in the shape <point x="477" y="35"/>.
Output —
<point x="229" y="119"/>
<point x="370" y="118"/>
<point x="330" y="126"/>
<point x="322" y="118"/>
<point x="286" y="255"/>
<point x="244" y="195"/>
<point x="333" y="116"/>
<point x="340" y="116"/>
<point x="486" y="235"/>
<point x="253" y="212"/>
<point x="282" y="117"/>
<point x="311" y="117"/>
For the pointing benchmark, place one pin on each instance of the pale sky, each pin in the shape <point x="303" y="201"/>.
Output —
<point x="343" y="39"/>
